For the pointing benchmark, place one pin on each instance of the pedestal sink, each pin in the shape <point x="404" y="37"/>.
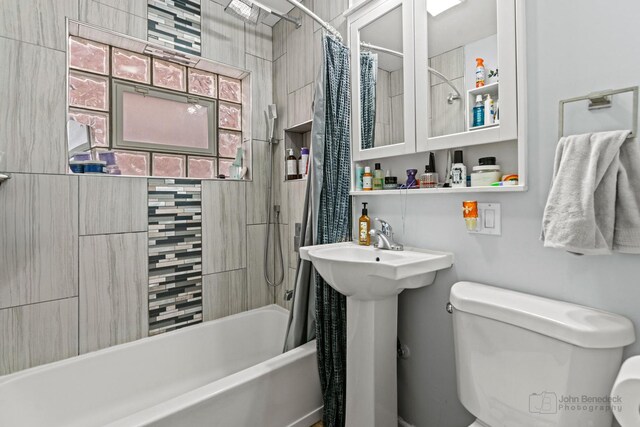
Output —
<point x="372" y="279"/>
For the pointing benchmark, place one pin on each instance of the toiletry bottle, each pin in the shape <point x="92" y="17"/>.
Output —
<point x="367" y="179"/>
<point x="303" y="162"/>
<point x="480" y="72"/>
<point x="478" y="112"/>
<point x="488" y="110"/>
<point x="458" y="171"/>
<point x="378" y="177"/>
<point x="359" y="176"/>
<point x="429" y="179"/>
<point x="292" y="165"/>
<point x="364" y="225"/>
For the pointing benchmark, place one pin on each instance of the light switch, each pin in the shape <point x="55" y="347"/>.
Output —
<point x="489" y="219"/>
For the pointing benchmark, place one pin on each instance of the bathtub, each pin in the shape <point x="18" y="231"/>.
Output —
<point x="228" y="372"/>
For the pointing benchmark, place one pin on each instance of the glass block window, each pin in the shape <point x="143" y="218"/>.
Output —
<point x="98" y="125"/>
<point x="88" y="91"/>
<point x="203" y="83"/>
<point x="151" y="116"/>
<point x="169" y="75"/>
<point x="230" y="89"/>
<point x="89" y="56"/>
<point x="131" y="66"/>
<point x="170" y="165"/>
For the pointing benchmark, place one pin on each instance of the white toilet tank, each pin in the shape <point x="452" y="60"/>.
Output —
<point x="527" y="361"/>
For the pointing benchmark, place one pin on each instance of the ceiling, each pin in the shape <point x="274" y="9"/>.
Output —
<point x="386" y="32"/>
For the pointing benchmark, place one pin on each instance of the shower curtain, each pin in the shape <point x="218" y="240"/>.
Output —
<point x="368" y="80"/>
<point x="318" y="310"/>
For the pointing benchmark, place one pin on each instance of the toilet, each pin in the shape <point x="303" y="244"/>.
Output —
<point x="527" y="361"/>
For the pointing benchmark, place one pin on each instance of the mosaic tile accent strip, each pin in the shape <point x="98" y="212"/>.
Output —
<point x="175" y="24"/>
<point x="175" y="254"/>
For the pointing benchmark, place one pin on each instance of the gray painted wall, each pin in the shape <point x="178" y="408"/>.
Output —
<point x="573" y="49"/>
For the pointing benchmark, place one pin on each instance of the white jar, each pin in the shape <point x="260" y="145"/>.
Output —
<point x="484" y="176"/>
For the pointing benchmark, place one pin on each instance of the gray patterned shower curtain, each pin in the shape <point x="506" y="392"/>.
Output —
<point x="318" y="310"/>
<point x="368" y="80"/>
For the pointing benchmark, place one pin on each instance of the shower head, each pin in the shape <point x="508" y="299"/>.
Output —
<point x="249" y="12"/>
<point x="271" y="114"/>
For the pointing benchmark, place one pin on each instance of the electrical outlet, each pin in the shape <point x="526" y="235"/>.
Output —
<point x="489" y="219"/>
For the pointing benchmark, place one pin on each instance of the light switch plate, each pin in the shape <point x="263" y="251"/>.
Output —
<point x="489" y="219"/>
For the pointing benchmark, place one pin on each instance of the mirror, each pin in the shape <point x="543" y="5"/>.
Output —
<point x="382" y="81"/>
<point x="463" y="77"/>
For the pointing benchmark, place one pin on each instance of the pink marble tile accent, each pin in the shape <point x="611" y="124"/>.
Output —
<point x="230" y="116"/>
<point x="202" y="83"/>
<point x="133" y="162"/>
<point x="169" y="75"/>
<point x="88" y="55"/>
<point x="202" y="167"/>
<point x="86" y="91"/>
<point x="130" y="65"/>
<point x="229" y="89"/>
<point x="223" y="167"/>
<point x="161" y="121"/>
<point x="169" y="165"/>
<point x="228" y="142"/>
<point x="98" y="124"/>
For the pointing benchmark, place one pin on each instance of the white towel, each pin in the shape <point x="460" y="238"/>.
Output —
<point x="580" y="215"/>
<point x="626" y="237"/>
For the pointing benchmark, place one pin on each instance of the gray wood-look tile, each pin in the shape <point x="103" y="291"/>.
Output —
<point x="280" y="33"/>
<point x="261" y="94"/>
<point x="259" y="293"/>
<point x="300" y="53"/>
<point x="35" y="334"/>
<point x="40" y="22"/>
<point x="383" y="97"/>
<point x="397" y="119"/>
<point x="450" y="63"/>
<point x="100" y="14"/>
<point x="113" y="293"/>
<point x="224" y="294"/>
<point x="280" y="95"/>
<point x="112" y="205"/>
<point x="287" y="286"/>
<point x="257" y="189"/>
<point x="222" y="35"/>
<point x="296" y="195"/>
<point x="299" y="105"/>
<point x="279" y="184"/>
<point x="135" y="7"/>
<point x="446" y="118"/>
<point x="329" y="10"/>
<point x="259" y="40"/>
<point x="38" y="239"/>
<point x="32" y="89"/>
<point x="224" y="221"/>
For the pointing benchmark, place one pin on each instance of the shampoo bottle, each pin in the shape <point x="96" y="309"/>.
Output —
<point x="364" y="225"/>
<point x="458" y="171"/>
<point x="292" y="165"/>
<point x="367" y="179"/>
<point x="488" y="110"/>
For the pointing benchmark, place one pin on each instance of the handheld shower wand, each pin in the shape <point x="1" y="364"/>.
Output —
<point x="271" y="115"/>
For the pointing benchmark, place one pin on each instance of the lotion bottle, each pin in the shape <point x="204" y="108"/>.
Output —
<point x="367" y="179"/>
<point x="364" y="226"/>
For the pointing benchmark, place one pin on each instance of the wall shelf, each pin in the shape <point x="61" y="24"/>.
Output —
<point x="504" y="189"/>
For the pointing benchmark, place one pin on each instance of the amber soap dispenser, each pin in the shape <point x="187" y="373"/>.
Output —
<point x="364" y="225"/>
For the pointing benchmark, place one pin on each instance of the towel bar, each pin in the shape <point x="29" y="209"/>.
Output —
<point x="598" y="100"/>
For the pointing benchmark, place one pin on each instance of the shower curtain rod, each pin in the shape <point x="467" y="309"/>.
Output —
<point x="316" y="18"/>
<point x="451" y="96"/>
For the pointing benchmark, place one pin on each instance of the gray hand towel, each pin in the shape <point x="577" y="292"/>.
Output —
<point x="626" y="237"/>
<point x="580" y="213"/>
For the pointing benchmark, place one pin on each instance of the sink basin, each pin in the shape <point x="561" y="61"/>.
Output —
<point x="371" y="279"/>
<point x="367" y="273"/>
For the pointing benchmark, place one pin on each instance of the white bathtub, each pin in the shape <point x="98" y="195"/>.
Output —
<point x="228" y="372"/>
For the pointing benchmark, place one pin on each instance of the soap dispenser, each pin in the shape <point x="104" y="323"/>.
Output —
<point x="364" y="225"/>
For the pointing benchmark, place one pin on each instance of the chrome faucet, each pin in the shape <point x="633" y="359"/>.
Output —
<point x="384" y="237"/>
